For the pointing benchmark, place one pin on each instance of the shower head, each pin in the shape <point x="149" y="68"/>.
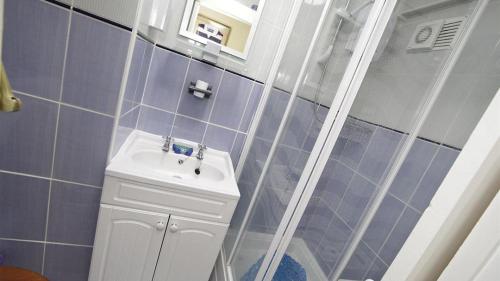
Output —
<point x="347" y="16"/>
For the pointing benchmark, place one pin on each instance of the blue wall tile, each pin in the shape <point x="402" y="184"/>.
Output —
<point x="73" y="213"/>
<point x="356" y="200"/>
<point x="255" y="161"/>
<point x="95" y="63"/>
<point x="377" y="270"/>
<point x="383" y="222"/>
<point x="379" y="153"/>
<point x="28" y="137"/>
<point x="413" y="168"/>
<point x="359" y="263"/>
<point x="191" y="105"/>
<point x="333" y="182"/>
<point x="324" y="264"/>
<point x="231" y="100"/>
<point x="336" y="237"/>
<point x="137" y="73"/>
<point x="26" y="255"/>
<point x="432" y="179"/>
<point x="155" y="121"/>
<point x="129" y="120"/>
<point x="219" y="138"/>
<point x="252" y="106"/>
<point x="318" y="120"/>
<point x="273" y="114"/>
<point x="237" y="148"/>
<point x="189" y="129"/>
<point x="357" y="136"/>
<point x="82" y="144"/>
<point x="33" y="46"/>
<point x="23" y="207"/>
<point x="126" y="125"/>
<point x="306" y="217"/>
<point x="145" y="67"/>
<point x="64" y="263"/>
<point x="319" y="220"/>
<point x="298" y="123"/>
<point x="398" y="236"/>
<point x="165" y="79"/>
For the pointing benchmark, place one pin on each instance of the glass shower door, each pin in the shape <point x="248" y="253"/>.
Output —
<point x="289" y="127"/>
<point x="369" y="153"/>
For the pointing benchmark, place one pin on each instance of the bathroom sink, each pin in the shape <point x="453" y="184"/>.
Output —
<point x="169" y="164"/>
<point x="142" y="159"/>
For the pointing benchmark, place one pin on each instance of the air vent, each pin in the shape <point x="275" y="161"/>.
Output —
<point x="450" y="30"/>
<point x="436" y="35"/>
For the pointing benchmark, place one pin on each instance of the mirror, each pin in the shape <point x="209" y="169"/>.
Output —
<point x="230" y="23"/>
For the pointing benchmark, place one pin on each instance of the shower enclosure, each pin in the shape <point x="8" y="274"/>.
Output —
<point x="363" y="114"/>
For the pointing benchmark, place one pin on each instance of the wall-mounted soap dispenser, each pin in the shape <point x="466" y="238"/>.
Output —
<point x="154" y="13"/>
<point x="211" y="52"/>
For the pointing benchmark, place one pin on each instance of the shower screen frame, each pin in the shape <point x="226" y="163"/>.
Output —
<point x="351" y="81"/>
<point x="330" y="131"/>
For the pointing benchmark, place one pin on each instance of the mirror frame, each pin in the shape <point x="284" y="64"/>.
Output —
<point x="183" y="31"/>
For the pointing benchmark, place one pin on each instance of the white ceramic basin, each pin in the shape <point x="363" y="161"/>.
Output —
<point x="142" y="159"/>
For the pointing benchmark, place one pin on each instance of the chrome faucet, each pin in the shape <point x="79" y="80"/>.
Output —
<point x="201" y="149"/>
<point x="166" y="145"/>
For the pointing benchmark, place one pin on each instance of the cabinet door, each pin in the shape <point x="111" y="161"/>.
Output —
<point x="189" y="250"/>
<point x="127" y="244"/>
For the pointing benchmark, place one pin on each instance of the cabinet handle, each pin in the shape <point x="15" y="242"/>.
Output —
<point x="160" y="225"/>
<point x="174" y="227"/>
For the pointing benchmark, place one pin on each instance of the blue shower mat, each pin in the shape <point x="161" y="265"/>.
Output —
<point x="288" y="270"/>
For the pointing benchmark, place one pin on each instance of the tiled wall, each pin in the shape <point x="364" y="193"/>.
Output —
<point x="157" y="100"/>
<point x="67" y="69"/>
<point x="354" y="172"/>
<point x="352" y="176"/>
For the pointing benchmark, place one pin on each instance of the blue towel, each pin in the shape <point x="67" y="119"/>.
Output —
<point x="288" y="270"/>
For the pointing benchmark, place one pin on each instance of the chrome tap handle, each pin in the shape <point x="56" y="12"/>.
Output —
<point x="166" y="145"/>
<point x="201" y="148"/>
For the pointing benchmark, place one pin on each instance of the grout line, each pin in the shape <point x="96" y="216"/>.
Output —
<point x="370" y="267"/>
<point x="246" y="105"/>
<point x="423" y="176"/>
<point x="160" y="109"/>
<point x="141" y="102"/>
<point x="44" y="242"/>
<point x="130" y="110"/>
<point x="147" y="74"/>
<point x="357" y="167"/>
<point x="138" y="117"/>
<point x="180" y="97"/>
<point x="213" y="106"/>
<point x="389" y="235"/>
<point x="192" y="118"/>
<point x="141" y="70"/>
<point x="404" y="203"/>
<point x="56" y="130"/>
<point x="62" y="103"/>
<point x="48" y="178"/>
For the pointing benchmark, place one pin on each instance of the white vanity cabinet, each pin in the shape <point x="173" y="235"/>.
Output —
<point x="147" y="232"/>
<point x="159" y="220"/>
<point x="127" y="244"/>
<point x="188" y="251"/>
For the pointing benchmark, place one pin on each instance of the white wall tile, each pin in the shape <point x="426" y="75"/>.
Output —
<point x="120" y="11"/>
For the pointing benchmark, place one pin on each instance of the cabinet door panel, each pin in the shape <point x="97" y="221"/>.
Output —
<point x="189" y="250"/>
<point x="127" y="244"/>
